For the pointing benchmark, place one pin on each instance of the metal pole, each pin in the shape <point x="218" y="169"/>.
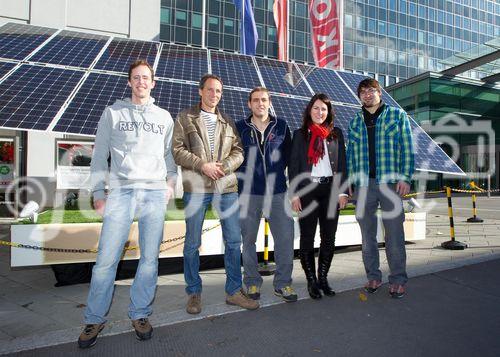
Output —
<point x="474" y="218"/>
<point x="452" y="243"/>
<point x="489" y="186"/>
<point x="203" y="23"/>
<point x="266" y="268"/>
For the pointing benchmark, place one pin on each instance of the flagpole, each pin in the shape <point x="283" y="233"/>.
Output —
<point x="203" y="23"/>
<point x="243" y="40"/>
<point x="287" y="57"/>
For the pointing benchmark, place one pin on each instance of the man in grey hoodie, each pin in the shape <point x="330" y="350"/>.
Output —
<point x="136" y="135"/>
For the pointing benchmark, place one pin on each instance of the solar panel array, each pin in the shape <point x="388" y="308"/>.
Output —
<point x="61" y="81"/>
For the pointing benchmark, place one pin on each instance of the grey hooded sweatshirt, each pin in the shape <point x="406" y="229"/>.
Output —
<point x="138" y="139"/>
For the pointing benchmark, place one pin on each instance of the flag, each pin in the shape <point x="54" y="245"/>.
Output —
<point x="248" y="30"/>
<point x="280" y="11"/>
<point x="325" y="32"/>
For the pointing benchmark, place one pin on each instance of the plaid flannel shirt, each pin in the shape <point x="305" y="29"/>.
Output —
<point x="394" y="153"/>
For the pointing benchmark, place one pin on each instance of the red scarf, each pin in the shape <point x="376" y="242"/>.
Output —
<point x="316" y="146"/>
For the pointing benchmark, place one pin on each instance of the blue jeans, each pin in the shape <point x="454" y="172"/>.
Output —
<point x="121" y="207"/>
<point x="368" y="199"/>
<point x="195" y="207"/>
<point x="276" y="209"/>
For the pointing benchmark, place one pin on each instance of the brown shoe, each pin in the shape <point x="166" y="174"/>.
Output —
<point x="143" y="329"/>
<point x="240" y="299"/>
<point x="194" y="304"/>
<point x="88" y="337"/>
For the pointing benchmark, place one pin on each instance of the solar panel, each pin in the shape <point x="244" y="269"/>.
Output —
<point x="429" y="156"/>
<point x="235" y="70"/>
<point x="327" y="81"/>
<point x="17" y="41"/>
<point x="31" y="96"/>
<point x="84" y="111"/>
<point x="122" y="52"/>
<point x="282" y="77"/>
<point x="352" y="80"/>
<point x="71" y="48"/>
<point x="5" y="67"/>
<point x="343" y="116"/>
<point x="234" y="103"/>
<point x="180" y="62"/>
<point x="175" y="97"/>
<point x="290" y="109"/>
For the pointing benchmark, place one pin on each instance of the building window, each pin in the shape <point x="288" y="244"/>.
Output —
<point x="164" y="16"/>
<point x="196" y="21"/>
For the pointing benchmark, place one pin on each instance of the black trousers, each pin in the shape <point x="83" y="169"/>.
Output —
<point x="325" y="211"/>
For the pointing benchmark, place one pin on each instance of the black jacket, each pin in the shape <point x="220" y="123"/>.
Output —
<point x="298" y="159"/>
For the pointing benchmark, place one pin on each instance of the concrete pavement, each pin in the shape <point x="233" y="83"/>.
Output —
<point x="448" y="313"/>
<point x="34" y="313"/>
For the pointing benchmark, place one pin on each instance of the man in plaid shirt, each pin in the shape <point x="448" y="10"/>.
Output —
<point x="380" y="163"/>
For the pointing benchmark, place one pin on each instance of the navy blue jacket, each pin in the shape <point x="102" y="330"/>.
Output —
<point x="261" y="168"/>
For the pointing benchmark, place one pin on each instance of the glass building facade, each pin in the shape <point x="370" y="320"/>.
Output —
<point x="389" y="39"/>
<point x="469" y="109"/>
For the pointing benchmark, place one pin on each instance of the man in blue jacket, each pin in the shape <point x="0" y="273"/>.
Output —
<point x="262" y="191"/>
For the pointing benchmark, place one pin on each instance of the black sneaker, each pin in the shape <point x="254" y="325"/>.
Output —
<point x="397" y="291"/>
<point x="287" y="294"/>
<point x="372" y="286"/>
<point x="143" y="329"/>
<point x="88" y="337"/>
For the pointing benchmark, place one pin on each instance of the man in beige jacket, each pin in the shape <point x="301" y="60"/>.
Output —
<point x="207" y="147"/>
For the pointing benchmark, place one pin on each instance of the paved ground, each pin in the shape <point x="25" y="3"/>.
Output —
<point x="34" y="313"/>
<point x="449" y="313"/>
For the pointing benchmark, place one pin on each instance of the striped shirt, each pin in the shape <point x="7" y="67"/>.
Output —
<point x="210" y="122"/>
<point x="394" y="153"/>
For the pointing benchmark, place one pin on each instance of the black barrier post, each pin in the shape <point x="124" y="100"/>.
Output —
<point x="266" y="268"/>
<point x="474" y="218"/>
<point x="452" y="244"/>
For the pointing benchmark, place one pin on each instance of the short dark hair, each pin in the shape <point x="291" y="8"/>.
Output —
<point x="368" y="83"/>
<point x="329" y="121"/>
<point x="258" y="89"/>
<point x="206" y="77"/>
<point x="140" y="62"/>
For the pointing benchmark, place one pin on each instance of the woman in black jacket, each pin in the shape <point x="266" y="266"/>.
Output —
<point x="317" y="170"/>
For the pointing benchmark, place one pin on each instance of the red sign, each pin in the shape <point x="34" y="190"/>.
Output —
<point x="326" y="39"/>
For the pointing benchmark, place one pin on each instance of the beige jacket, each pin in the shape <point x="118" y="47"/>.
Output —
<point x="191" y="149"/>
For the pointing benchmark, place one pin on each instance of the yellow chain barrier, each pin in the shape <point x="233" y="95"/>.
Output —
<point x="72" y="250"/>
<point x="477" y="190"/>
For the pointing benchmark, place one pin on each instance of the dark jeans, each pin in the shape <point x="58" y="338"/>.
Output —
<point x="317" y="206"/>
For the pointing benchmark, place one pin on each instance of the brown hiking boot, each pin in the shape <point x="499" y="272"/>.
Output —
<point x="143" y="329"/>
<point x="194" y="304"/>
<point x="88" y="337"/>
<point x="240" y="299"/>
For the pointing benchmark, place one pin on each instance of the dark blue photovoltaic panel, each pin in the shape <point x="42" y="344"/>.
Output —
<point x="428" y="155"/>
<point x="175" y="97"/>
<point x="234" y="103"/>
<point x="323" y="80"/>
<point x="235" y="70"/>
<point x="32" y="95"/>
<point x="122" y="52"/>
<point x="182" y="62"/>
<point x="5" y="67"/>
<point x="282" y="77"/>
<point x="84" y="111"/>
<point x="289" y="109"/>
<point x="70" y="48"/>
<point x="17" y="41"/>
<point x="343" y="116"/>
<point x="353" y="79"/>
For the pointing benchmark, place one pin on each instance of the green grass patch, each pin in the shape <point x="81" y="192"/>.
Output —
<point x="175" y="212"/>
